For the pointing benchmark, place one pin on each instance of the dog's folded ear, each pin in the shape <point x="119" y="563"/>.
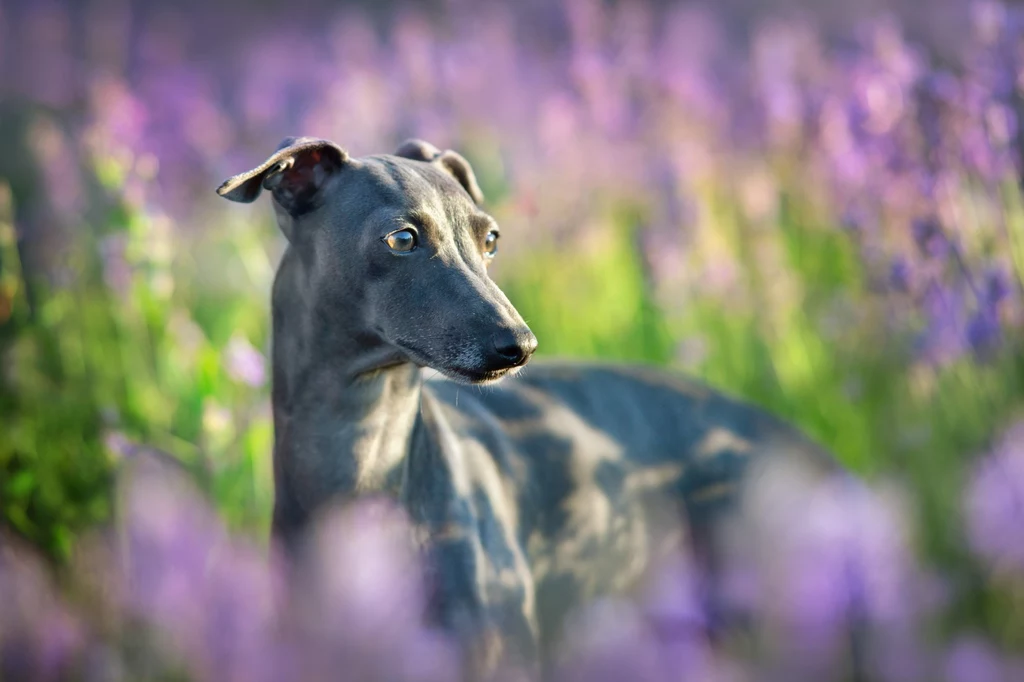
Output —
<point x="294" y="174"/>
<point x="418" y="150"/>
<point x="450" y="161"/>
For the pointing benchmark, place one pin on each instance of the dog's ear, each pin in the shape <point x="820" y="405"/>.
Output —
<point x="452" y="162"/>
<point x="418" y="150"/>
<point x="294" y="174"/>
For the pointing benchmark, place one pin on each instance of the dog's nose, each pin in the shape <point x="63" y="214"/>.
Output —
<point x="515" y="346"/>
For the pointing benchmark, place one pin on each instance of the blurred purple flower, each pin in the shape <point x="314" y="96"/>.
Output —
<point x="972" y="660"/>
<point x="40" y="640"/>
<point x="983" y="331"/>
<point x="117" y="271"/>
<point x="215" y="598"/>
<point x="58" y="158"/>
<point x="900" y="274"/>
<point x="994" y="503"/>
<point x="988" y="18"/>
<point x="996" y="286"/>
<point x="1001" y="122"/>
<point x="677" y="612"/>
<point x="691" y="352"/>
<point x="117" y="119"/>
<point x="44" y="34"/>
<point x="930" y="238"/>
<point x="944" y="338"/>
<point x="831" y="564"/>
<point x="609" y="641"/>
<point x="244" y="363"/>
<point x="362" y="598"/>
<point x="118" y="445"/>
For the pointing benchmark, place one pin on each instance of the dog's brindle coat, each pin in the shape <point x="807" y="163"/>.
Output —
<point x="534" y="494"/>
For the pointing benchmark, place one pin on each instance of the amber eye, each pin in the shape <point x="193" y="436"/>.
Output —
<point x="491" y="244"/>
<point x="401" y="241"/>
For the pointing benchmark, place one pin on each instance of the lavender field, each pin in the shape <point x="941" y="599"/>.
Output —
<point x="818" y="210"/>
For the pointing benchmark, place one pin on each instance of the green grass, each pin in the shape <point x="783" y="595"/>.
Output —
<point x="595" y="306"/>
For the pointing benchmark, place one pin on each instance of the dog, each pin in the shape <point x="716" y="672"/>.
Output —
<point x="535" y="494"/>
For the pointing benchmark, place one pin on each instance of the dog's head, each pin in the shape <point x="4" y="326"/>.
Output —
<point x="396" y="250"/>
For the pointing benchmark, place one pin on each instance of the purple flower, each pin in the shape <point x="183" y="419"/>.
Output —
<point x="46" y="66"/>
<point x="361" y="598"/>
<point x="244" y="363"/>
<point x="609" y="641"/>
<point x="692" y="352"/>
<point x="677" y="614"/>
<point x="988" y="19"/>
<point x="943" y="340"/>
<point x="40" y="639"/>
<point x="900" y="274"/>
<point x="117" y="271"/>
<point x="994" y="503"/>
<point x="973" y="660"/>
<point x="984" y="331"/>
<point x="1001" y="122"/>
<point x="996" y="286"/>
<point x="824" y="562"/>
<point x="930" y="238"/>
<point x="214" y="599"/>
<point x="118" y="445"/>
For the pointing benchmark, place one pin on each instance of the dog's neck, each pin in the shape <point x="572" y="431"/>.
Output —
<point x="345" y="406"/>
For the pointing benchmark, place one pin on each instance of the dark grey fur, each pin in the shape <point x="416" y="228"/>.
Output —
<point x="534" y="494"/>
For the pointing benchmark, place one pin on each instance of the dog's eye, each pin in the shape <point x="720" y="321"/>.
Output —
<point x="401" y="241"/>
<point x="491" y="244"/>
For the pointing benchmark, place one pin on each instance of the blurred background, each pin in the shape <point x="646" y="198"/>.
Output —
<point x="813" y="205"/>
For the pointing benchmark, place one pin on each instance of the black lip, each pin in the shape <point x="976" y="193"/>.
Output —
<point x="477" y="377"/>
<point x="474" y="376"/>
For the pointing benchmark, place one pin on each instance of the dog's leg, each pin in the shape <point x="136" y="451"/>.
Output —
<point x="492" y="635"/>
<point x="479" y="593"/>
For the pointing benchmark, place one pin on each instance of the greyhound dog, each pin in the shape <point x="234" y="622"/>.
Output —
<point x="534" y="494"/>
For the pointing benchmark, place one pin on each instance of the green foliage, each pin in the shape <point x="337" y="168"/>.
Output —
<point x="95" y="368"/>
<point x="596" y="305"/>
<point x="53" y="470"/>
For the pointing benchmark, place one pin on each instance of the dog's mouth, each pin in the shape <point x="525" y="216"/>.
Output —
<point x="478" y="378"/>
<point x="460" y="373"/>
